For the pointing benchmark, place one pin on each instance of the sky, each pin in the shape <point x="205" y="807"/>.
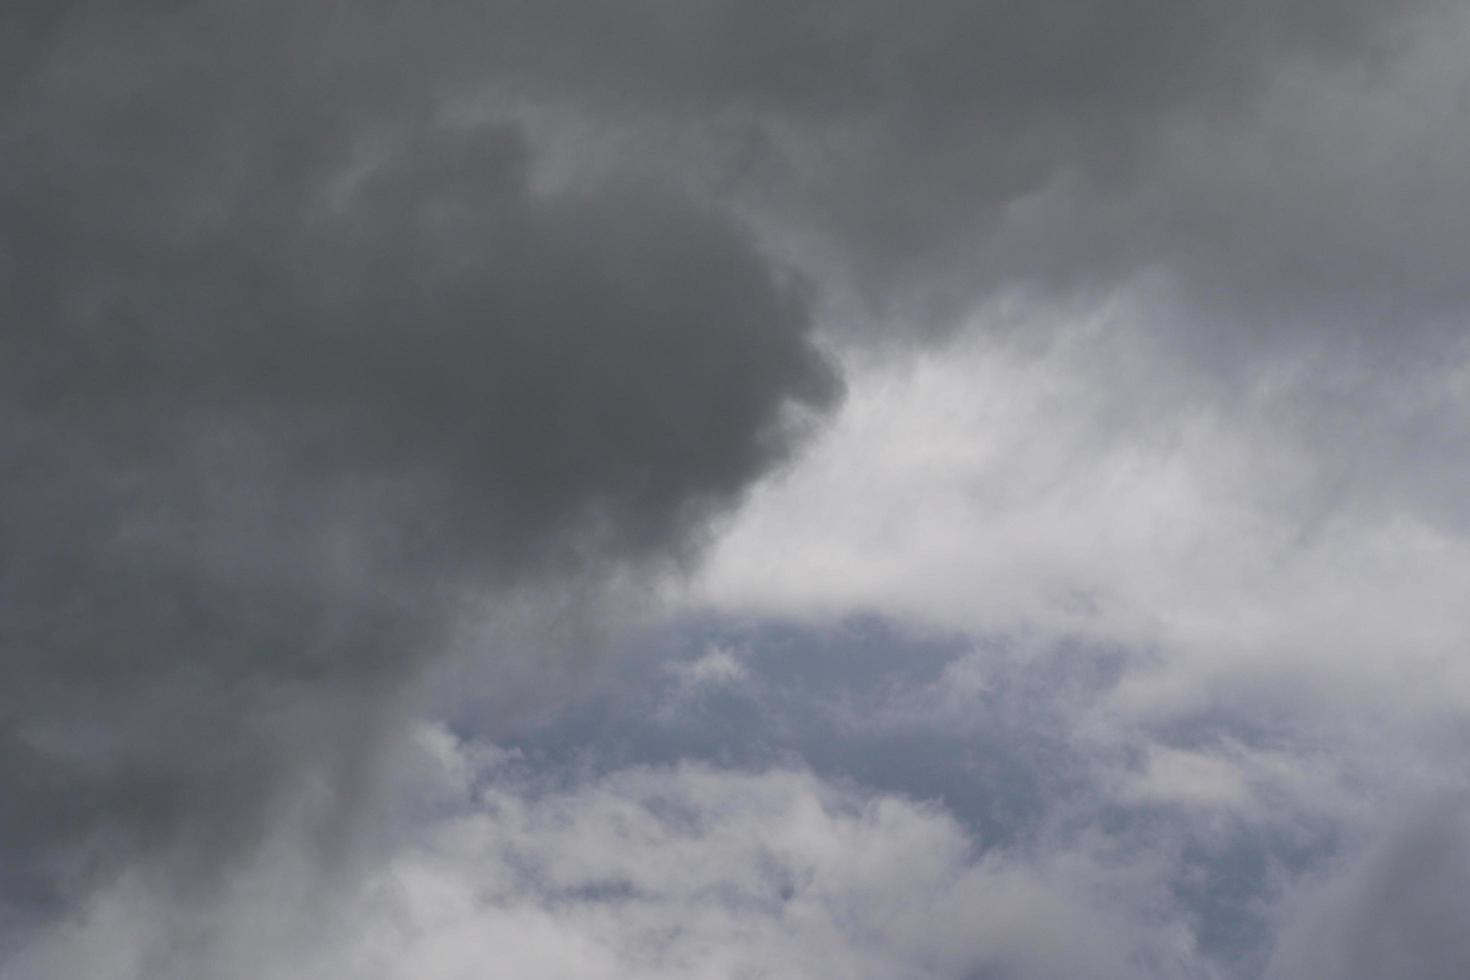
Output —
<point x="796" y="490"/>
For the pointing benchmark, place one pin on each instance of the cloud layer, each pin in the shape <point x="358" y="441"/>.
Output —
<point x="367" y="363"/>
<point x="289" y="373"/>
<point x="675" y="872"/>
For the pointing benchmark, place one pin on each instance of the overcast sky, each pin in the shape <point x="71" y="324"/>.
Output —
<point x="945" y="490"/>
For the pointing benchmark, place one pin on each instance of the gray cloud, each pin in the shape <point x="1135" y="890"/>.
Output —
<point x="649" y="871"/>
<point x="1220" y="808"/>
<point x="1279" y="161"/>
<point x="322" y="324"/>
<point x="290" y="366"/>
<point x="1396" y="910"/>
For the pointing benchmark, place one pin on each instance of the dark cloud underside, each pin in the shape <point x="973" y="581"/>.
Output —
<point x="945" y="150"/>
<point x="288" y="362"/>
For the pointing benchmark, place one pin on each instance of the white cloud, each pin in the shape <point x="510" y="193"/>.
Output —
<point x="1233" y="532"/>
<point x="717" y="667"/>
<point x="683" y="872"/>
<point x="1269" y="567"/>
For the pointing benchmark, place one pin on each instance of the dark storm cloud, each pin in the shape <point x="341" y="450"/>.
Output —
<point x="293" y="356"/>
<point x="288" y="364"/>
<point x="1257" y="184"/>
<point x="1282" y="161"/>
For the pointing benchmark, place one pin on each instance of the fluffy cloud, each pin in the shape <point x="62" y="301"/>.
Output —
<point x="1205" y="621"/>
<point x="341" y="338"/>
<point x="1222" y="532"/>
<point x="291" y="375"/>
<point x="682" y="871"/>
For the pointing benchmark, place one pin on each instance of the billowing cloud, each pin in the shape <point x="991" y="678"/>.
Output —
<point x="342" y="340"/>
<point x="1099" y="487"/>
<point x="683" y="871"/>
<point x="290" y="372"/>
<point x="1281" y="165"/>
<point x="1204" y="620"/>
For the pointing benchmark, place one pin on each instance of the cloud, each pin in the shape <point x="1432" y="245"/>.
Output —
<point x="294" y="375"/>
<point x="343" y="341"/>
<point x="662" y="871"/>
<point x="1392" y="909"/>
<point x="1232" y="538"/>
<point x="1289" y="169"/>
<point x="1218" y="622"/>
